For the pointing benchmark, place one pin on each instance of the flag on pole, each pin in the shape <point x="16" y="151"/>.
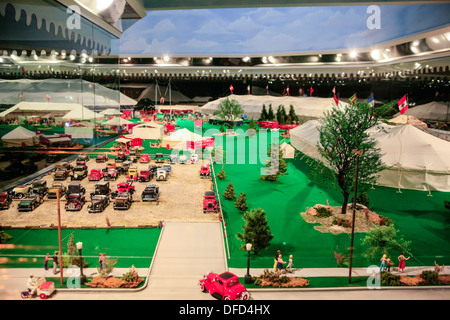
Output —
<point x="371" y="101"/>
<point x="23" y="70"/>
<point x="403" y="104"/>
<point x="248" y="89"/>
<point x="231" y="88"/>
<point x="353" y="99"/>
<point x="334" y="90"/>
<point x="47" y="97"/>
<point x="287" y="90"/>
<point x="311" y="91"/>
<point x="336" y="100"/>
<point x="267" y="89"/>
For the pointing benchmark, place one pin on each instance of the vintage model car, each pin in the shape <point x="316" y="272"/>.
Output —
<point x="102" y="157"/>
<point x="161" y="174"/>
<point x="81" y="163"/>
<point x="30" y="202"/>
<point x="205" y="172"/>
<point x="54" y="188"/>
<point x="98" y="203"/>
<point x="75" y="202"/>
<point x="133" y="156"/>
<point x="121" y="157"/>
<point x="75" y="188"/>
<point x="83" y="157"/>
<point x="182" y="159"/>
<point x="168" y="168"/>
<point x="20" y="191"/>
<point x="145" y="158"/>
<point x="111" y="175"/>
<point x="39" y="187"/>
<point x="224" y="286"/>
<point x="78" y="173"/>
<point x="159" y="157"/>
<point x="153" y="168"/>
<point x="5" y="200"/>
<point x="133" y="174"/>
<point x="123" y="201"/>
<point x="210" y="202"/>
<point x="123" y="187"/>
<point x="145" y="175"/>
<point x="101" y="188"/>
<point x="173" y="159"/>
<point x="62" y="171"/>
<point x="194" y="158"/>
<point x="150" y="193"/>
<point x="123" y="167"/>
<point x="96" y="175"/>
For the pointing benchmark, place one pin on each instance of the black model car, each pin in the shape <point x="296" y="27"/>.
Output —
<point x="121" y="157"/>
<point x="150" y="193"/>
<point x="75" y="188"/>
<point x="159" y="157"/>
<point x="78" y="173"/>
<point x="55" y="187"/>
<point x="83" y="157"/>
<point x="39" y="187"/>
<point x="101" y="188"/>
<point x="98" y="203"/>
<point x="102" y="157"/>
<point x="30" y="202"/>
<point x="62" y="171"/>
<point x="123" y="201"/>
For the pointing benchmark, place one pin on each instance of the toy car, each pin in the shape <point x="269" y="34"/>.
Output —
<point x="168" y="168"/>
<point x="153" y="168"/>
<point x="52" y="191"/>
<point x="122" y="167"/>
<point x="20" y="191"/>
<point x="182" y="159"/>
<point x="161" y="174"/>
<point x="74" y="188"/>
<point x="75" y="202"/>
<point x="83" y="157"/>
<point x="102" y="157"/>
<point x="121" y="157"/>
<point x="98" y="203"/>
<point x="30" y="202"/>
<point x="224" y="286"/>
<point x="123" y="201"/>
<point x="150" y="193"/>
<point x="210" y="202"/>
<point x="101" y="188"/>
<point x="205" y="172"/>
<point x="133" y="156"/>
<point x="123" y="187"/>
<point x="96" y="175"/>
<point x="111" y="175"/>
<point x="133" y="174"/>
<point x="78" y="173"/>
<point x="5" y="200"/>
<point x="173" y="159"/>
<point x="39" y="187"/>
<point x="44" y="289"/>
<point x="194" y="158"/>
<point x="81" y="163"/>
<point x="145" y="158"/>
<point x="159" y="157"/>
<point x="62" y="171"/>
<point x="145" y="175"/>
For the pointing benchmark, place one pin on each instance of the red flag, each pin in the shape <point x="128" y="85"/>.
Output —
<point x="47" y="97"/>
<point x="311" y="91"/>
<point x="336" y="100"/>
<point x="231" y="88"/>
<point x="90" y="85"/>
<point x="287" y="90"/>
<point x="23" y="70"/>
<point x="402" y="105"/>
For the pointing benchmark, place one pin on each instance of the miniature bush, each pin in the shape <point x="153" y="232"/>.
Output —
<point x="389" y="279"/>
<point x="241" y="202"/>
<point x="323" y="212"/>
<point x="4" y="237"/>
<point x="221" y="175"/>
<point x="229" y="192"/>
<point x="430" y="277"/>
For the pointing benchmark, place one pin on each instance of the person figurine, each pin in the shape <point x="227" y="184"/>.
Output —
<point x="276" y="260"/>
<point x="55" y="262"/>
<point x="104" y="261"/>
<point x="383" y="263"/>
<point x="280" y="263"/>
<point x="31" y="285"/>
<point x="100" y="260"/>
<point x="290" y="264"/>
<point x="388" y="265"/>
<point x="402" y="259"/>
<point x="46" y="261"/>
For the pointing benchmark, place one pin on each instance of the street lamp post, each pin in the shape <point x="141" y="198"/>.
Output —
<point x="82" y="276"/>
<point x="248" y="277"/>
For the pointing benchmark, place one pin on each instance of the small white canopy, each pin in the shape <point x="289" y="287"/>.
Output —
<point x="184" y="135"/>
<point x="288" y="150"/>
<point x="149" y="131"/>
<point x="117" y="121"/>
<point x="405" y="119"/>
<point x="111" y="112"/>
<point x="20" y="136"/>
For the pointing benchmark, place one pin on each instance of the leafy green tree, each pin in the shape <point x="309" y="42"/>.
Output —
<point x="228" y="110"/>
<point x="241" y="202"/>
<point x="292" y="114"/>
<point x="381" y="239"/>
<point x="276" y="166"/>
<point x="252" y="129"/>
<point x="342" y="132"/>
<point x="270" y="114"/>
<point x="256" y="230"/>
<point x="229" y="192"/>
<point x="281" y="115"/>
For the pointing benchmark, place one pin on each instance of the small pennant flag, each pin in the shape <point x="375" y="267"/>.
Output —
<point x="23" y="70"/>
<point x="371" y="101"/>
<point x="248" y="89"/>
<point x="311" y="91"/>
<point x="267" y="89"/>
<point x="231" y="88"/>
<point x="403" y="104"/>
<point x="353" y="99"/>
<point x="287" y="90"/>
<point x="336" y="100"/>
<point x="47" y="97"/>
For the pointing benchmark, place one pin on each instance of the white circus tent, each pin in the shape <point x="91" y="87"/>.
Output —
<point x="415" y="159"/>
<point x="20" y="137"/>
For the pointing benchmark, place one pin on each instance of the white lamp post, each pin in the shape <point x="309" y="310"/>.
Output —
<point x="82" y="276"/>
<point x="248" y="277"/>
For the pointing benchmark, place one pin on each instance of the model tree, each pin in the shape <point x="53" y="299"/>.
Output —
<point x="270" y="114"/>
<point x="263" y="116"/>
<point x="228" y="110"/>
<point x="221" y="175"/>
<point x="276" y="166"/>
<point x="229" y="192"/>
<point x="343" y="131"/>
<point x="281" y="115"/>
<point x="241" y="202"/>
<point x="251" y="131"/>
<point x="256" y="230"/>
<point x="382" y="239"/>
<point x="292" y="115"/>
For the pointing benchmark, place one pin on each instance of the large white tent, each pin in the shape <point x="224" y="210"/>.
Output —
<point x="433" y="111"/>
<point x="20" y="137"/>
<point x="415" y="159"/>
<point x="148" y="130"/>
<point x="310" y="107"/>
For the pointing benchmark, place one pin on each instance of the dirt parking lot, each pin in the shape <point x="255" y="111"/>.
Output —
<point x="180" y="200"/>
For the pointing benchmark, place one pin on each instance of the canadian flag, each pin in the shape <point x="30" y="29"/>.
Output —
<point x="402" y="105"/>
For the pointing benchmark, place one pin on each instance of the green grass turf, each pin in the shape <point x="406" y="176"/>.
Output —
<point x="134" y="246"/>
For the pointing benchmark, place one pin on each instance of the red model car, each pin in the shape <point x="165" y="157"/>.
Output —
<point x="145" y="175"/>
<point x="210" y="202"/>
<point x="145" y="158"/>
<point x="75" y="202"/>
<point x="123" y="187"/>
<point x="224" y="286"/>
<point x="204" y="171"/>
<point x="96" y="175"/>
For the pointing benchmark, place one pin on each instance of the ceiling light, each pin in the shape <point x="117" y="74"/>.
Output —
<point x="166" y="58"/>
<point x="101" y="5"/>
<point x="271" y="59"/>
<point x="375" y="54"/>
<point x="353" y="54"/>
<point x="246" y="59"/>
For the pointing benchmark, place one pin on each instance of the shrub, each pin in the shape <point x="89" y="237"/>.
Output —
<point x="4" y="237"/>
<point x="323" y="212"/>
<point x="389" y="279"/>
<point x="221" y="175"/>
<point x="430" y="277"/>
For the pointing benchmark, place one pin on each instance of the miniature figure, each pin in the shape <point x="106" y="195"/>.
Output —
<point x="290" y="264"/>
<point x="402" y="259"/>
<point x="383" y="263"/>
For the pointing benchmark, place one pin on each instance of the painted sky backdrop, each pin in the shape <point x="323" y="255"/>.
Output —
<point x="250" y="31"/>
